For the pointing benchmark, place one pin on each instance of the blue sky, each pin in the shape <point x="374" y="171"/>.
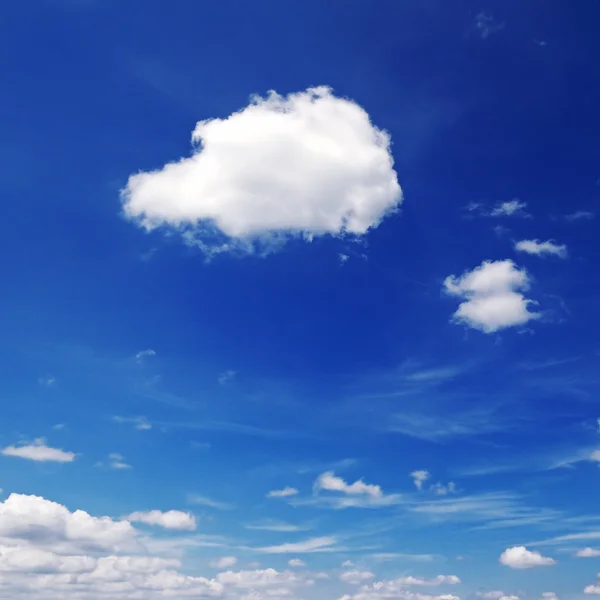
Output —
<point x="299" y="300"/>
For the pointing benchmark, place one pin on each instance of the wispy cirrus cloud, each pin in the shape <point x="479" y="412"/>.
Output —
<point x="201" y="500"/>
<point x="316" y="544"/>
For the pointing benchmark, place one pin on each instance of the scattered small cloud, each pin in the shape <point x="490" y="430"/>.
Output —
<point x="117" y="461"/>
<point x="172" y="519"/>
<point x="209" y="502"/>
<point x="419" y="478"/>
<point x="332" y="165"/>
<point x="296" y="563"/>
<point x="140" y="356"/>
<point x="273" y="525"/>
<point x="139" y="423"/>
<point x="225" y="562"/>
<point x="343" y="258"/>
<point x="547" y="248"/>
<point x="580" y="215"/>
<point x="47" y="381"/>
<point x="435" y="581"/>
<point x="519" y="557"/>
<point x="492" y="294"/>
<point x="348" y="495"/>
<point x="59" y="426"/>
<point x="487" y="25"/>
<point x="286" y="492"/>
<point x="38" y="451"/>
<point x="226" y="377"/>
<point x="440" y="489"/>
<point x="512" y="208"/>
<point x="356" y="577"/>
<point x="588" y="553"/>
<point x="318" y="544"/>
<point x="593" y="590"/>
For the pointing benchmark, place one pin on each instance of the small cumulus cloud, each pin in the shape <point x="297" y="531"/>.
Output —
<point x="171" y="519"/>
<point x="537" y="248"/>
<point x="285" y="492"/>
<point x="356" y="577"/>
<point x="492" y="296"/>
<point x="519" y="557"/>
<point x="140" y="356"/>
<point x="587" y="553"/>
<point x="115" y="461"/>
<point x="419" y="478"/>
<point x="307" y="164"/>
<point x="224" y="562"/>
<point x="38" y="451"/>
<point x="296" y="562"/>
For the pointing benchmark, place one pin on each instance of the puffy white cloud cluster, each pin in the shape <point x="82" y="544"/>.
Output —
<point x="397" y="589"/>
<point x="307" y="164"/>
<point x="171" y="519"/>
<point x="492" y="296"/>
<point x="537" y="248"/>
<point x="519" y="557"/>
<point x="48" y="552"/>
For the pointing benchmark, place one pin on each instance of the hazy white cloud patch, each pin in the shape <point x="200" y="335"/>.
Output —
<point x="47" y="381"/>
<point x="318" y="544"/>
<point x="511" y="208"/>
<point x="348" y="495"/>
<point x="419" y="478"/>
<point x="487" y="25"/>
<point x="226" y="377"/>
<point x="537" y="248"/>
<point x="171" y="519"/>
<point x="38" y="451"/>
<point x="296" y="563"/>
<point x="139" y="423"/>
<point x="307" y="164"/>
<point x="141" y="356"/>
<point x="285" y="492"/>
<point x="115" y="461"/>
<point x="519" y="557"/>
<point x="492" y="295"/>
<point x="355" y="577"/>
<point x="224" y="562"/>
<point x="209" y="502"/>
<point x="588" y="553"/>
<point x="592" y="590"/>
<point x="580" y="215"/>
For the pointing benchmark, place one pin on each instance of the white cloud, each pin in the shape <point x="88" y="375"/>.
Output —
<point x="296" y="562"/>
<point x="592" y="590"/>
<point x="419" y="478"/>
<point x="356" y="577"/>
<point x="206" y="501"/>
<point x="140" y="356"/>
<point x="420" y="581"/>
<point x="47" y="381"/>
<point x="38" y="451"/>
<point x="224" y="562"/>
<point x="117" y="461"/>
<point x="392" y="589"/>
<point x="440" y="489"/>
<point x="226" y="377"/>
<point x="547" y="248"/>
<point x="171" y="519"/>
<point x="308" y="164"/>
<point x="286" y="492"/>
<point x="580" y="215"/>
<point x="140" y="423"/>
<point x="319" y="544"/>
<point x="348" y="564"/>
<point x="549" y="596"/>
<point x="354" y="495"/>
<point x="519" y="557"/>
<point x="513" y="208"/>
<point x="50" y="525"/>
<point x="487" y="25"/>
<point x="273" y="525"/>
<point x="491" y="595"/>
<point x="330" y="482"/>
<point x="587" y="553"/>
<point x="492" y="296"/>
